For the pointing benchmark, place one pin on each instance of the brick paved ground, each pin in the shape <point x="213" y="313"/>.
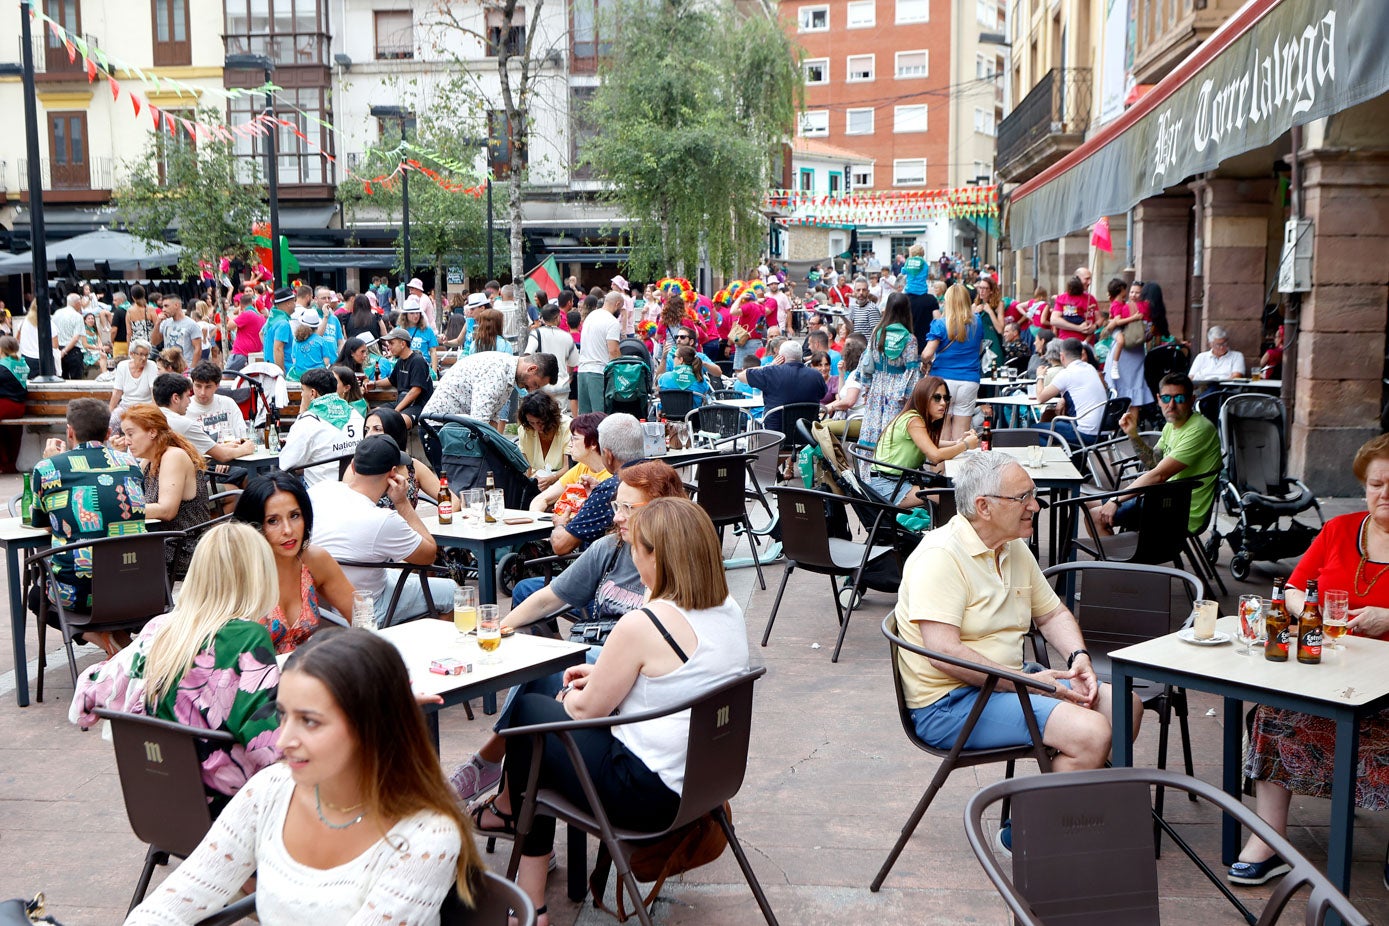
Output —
<point x="831" y="781"/>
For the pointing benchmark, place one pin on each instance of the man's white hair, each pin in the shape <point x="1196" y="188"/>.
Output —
<point x="1217" y="333"/>
<point x="791" y="350"/>
<point x="74" y="300"/>
<point x="978" y="473"/>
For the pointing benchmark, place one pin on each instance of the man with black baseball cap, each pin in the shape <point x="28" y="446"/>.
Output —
<point x="410" y="377"/>
<point x="278" y="333"/>
<point x="349" y="526"/>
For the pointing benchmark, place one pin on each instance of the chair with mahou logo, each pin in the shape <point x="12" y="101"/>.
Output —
<point x="161" y="782"/>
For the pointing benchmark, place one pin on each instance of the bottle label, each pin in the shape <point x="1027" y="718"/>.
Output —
<point x="1311" y="642"/>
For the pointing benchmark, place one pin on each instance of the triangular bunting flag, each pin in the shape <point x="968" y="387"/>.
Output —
<point x="115" y="88"/>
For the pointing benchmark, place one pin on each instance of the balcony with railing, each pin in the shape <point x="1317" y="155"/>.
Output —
<point x="1048" y="124"/>
<point x="1166" y="31"/>
<point x="89" y="181"/>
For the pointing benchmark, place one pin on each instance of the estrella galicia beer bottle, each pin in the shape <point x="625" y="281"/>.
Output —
<point x="1309" y="629"/>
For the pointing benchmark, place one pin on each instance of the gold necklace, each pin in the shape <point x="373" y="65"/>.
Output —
<point x="354" y="808"/>
<point x="1364" y="557"/>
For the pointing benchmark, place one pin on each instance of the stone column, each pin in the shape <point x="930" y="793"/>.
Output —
<point x="1234" y="217"/>
<point x="1162" y="252"/>
<point x="1072" y="251"/>
<point x="1341" y="342"/>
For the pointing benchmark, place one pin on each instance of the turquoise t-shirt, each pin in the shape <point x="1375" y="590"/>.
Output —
<point x="309" y="354"/>
<point x="1197" y="444"/>
<point x="918" y="276"/>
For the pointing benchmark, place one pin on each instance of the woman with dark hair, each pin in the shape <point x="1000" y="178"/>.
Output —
<point x="1151" y="293"/>
<point x="356" y="354"/>
<point x="357" y="824"/>
<point x="588" y="461"/>
<point x="349" y="390"/>
<point x="277" y="504"/>
<point x="913" y="439"/>
<point x="175" y="477"/>
<point x="419" y="478"/>
<point x="544" y="437"/>
<point x="686" y="372"/>
<point x="890" y="368"/>
<point x="363" y="320"/>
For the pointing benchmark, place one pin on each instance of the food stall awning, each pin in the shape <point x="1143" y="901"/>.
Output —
<point x="1274" y="64"/>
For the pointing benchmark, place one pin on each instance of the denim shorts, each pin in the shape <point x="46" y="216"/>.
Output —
<point x="1000" y="724"/>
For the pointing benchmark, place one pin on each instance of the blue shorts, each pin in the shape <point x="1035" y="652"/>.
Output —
<point x="1001" y="723"/>
<point x="1127" y="513"/>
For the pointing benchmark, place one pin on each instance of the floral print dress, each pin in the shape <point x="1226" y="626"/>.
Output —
<point x="230" y="686"/>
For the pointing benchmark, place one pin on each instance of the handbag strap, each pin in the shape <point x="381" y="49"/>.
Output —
<point x="666" y="633"/>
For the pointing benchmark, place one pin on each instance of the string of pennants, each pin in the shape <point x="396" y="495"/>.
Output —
<point x="99" y="65"/>
<point x="871" y="207"/>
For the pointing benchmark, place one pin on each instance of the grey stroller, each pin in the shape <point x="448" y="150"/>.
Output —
<point x="1255" y="488"/>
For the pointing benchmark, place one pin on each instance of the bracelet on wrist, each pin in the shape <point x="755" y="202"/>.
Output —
<point x="1070" y="660"/>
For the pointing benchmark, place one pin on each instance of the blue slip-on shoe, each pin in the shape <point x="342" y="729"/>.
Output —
<point x="1254" y="873"/>
<point x="1004" y="840"/>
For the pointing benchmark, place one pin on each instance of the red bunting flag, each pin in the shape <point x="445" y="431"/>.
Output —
<point x="154" y="116"/>
<point x="1099" y="236"/>
<point x="91" y="70"/>
<point x="72" y="51"/>
<point x="135" y="105"/>
<point x="115" y="88"/>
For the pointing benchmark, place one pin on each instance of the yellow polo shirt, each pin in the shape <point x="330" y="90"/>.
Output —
<point x="953" y="578"/>
<point x="579" y="471"/>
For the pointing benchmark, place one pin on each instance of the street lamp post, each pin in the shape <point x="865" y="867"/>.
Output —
<point x="38" y="240"/>
<point x="263" y="64"/>
<point x="403" y="116"/>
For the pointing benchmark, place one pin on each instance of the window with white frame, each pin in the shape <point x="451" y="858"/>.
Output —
<point x="983" y="121"/>
<point x="983" y="169"/>
<point x="861" y="177"/>
<point x="909" y="172"/>
<point x="913" y="11"/>
<point x="815" y="123"/>
<point x="814" y="19"/>
<point x="985" y="66"/>
<point x="909" y="118"/>
<point x="912" y="64"/>
<point x="859" y="122"/>
<point x="817" y="71"/>
<point x="986" y="12"/>
<point x="862" y="14"/>
<point x="861" y="67"/>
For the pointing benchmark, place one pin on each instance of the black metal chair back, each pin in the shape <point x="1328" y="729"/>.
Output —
<point x="720" y="420"/>
<point x="677" y="403"/>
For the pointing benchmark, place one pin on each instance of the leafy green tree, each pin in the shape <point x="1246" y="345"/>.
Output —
<point x="695" y="112"/>
<point x="205" y="191"/>
<point x="449" y="227"/>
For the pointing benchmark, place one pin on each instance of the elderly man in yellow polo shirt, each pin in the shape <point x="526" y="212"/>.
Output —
<point x="971" y="589"/>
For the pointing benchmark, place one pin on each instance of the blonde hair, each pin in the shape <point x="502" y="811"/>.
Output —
<point x="917" y="250"/>
<point x="689" y="557"/>
<point x="958" y="313"/>
<point x="231" y="577"/>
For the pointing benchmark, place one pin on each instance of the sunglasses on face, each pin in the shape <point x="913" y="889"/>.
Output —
<point x="1168" y="399"/>
<point x="940" y="398"/>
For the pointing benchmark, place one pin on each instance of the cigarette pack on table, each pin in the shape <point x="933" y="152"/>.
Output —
<point x="450" y="666"/>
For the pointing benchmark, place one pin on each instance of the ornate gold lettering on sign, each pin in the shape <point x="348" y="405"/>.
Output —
<point x="721" y="719"/>
<point x="128" y="559"/>
<point x="153" y="753"/>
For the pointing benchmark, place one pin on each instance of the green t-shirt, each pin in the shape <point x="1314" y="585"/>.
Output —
<point x="1196" y="444"/>
<point x="896" y="445"/>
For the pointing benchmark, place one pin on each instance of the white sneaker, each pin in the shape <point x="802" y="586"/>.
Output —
<point x="1114" y="372"/>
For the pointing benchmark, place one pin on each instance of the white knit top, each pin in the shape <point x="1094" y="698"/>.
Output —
<point x="401" y="879"/>
<point x="721" y="652"/>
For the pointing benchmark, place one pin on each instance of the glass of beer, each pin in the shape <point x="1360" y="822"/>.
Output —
<point x="364" y="610"/>
<point x="465" y="609"/>
<point x="1205" y="614"/>
<point x="489" y="633"/>
<point x="1335" y="612"/>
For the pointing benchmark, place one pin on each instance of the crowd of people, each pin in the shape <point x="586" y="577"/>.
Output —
<point x="331" y="793"/>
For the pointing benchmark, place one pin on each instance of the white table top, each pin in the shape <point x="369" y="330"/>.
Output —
<point x="1056" y="464"/>
<point x="749" y="402"/>
<point x="424" y="640"/>
<point x="260" y="456"/>
<point x="12" y="529"/>
<point x="1018" y="381"/>
<point x="1253" y="383"/>
<point x="1350" y="676"/>
<point x="467" y="529"/>
<point x="1025" y="401"/>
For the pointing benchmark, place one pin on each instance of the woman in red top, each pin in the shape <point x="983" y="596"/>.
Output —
<point x="1291" y="752"/>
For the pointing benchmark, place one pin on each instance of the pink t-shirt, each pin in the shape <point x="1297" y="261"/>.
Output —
<point x="1074" y="309"/>
<point x="248" y="326"/>
<point x="752" y="314"/>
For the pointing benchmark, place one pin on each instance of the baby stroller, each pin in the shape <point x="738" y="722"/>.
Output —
<point x="1255" y="488"/>
<point x="627" y="386"/>
<point x="469" y="449"/>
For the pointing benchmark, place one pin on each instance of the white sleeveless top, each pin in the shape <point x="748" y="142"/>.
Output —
<point x="721" y="652"/>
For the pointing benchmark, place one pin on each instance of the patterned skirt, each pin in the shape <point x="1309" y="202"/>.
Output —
<point x="1298" y="751"/>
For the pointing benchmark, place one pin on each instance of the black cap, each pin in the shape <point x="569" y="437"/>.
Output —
<point x="284" y="294"/>
<point x="378" y="455"/>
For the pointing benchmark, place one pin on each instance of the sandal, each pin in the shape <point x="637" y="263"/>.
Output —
<point x="506" y="830"/>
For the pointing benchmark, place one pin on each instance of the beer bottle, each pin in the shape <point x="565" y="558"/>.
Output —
<point x="1309" y="628"/>
<point x="1276" y="623"/>
<point x="986" y="435"/>
<point x="445" y="501"/>
<point x="26" y="501"/>
<point x="488" y="517"/>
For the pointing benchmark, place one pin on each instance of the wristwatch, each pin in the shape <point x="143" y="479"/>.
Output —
<point x="1070" y="660"/>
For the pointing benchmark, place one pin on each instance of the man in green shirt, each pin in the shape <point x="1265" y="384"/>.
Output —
<point x="1189" y="446"/>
